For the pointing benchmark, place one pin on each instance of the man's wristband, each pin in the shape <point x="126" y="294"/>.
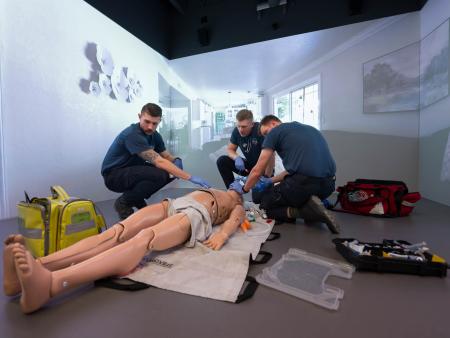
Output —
<point x="245" y="191"/>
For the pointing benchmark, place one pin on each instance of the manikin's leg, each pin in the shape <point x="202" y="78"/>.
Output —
<point x="39" y="284"/>
<point x="91" y="246"/>
<point x="11" y="285"/>
<point x="85" y="248"/>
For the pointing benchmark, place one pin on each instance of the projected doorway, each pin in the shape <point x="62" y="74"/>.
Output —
<point x="175" y="124"/>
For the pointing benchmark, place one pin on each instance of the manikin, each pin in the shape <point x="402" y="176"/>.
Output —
<point x="118" y="250"/>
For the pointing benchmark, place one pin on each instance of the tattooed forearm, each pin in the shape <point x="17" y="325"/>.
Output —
<point x="150" y="156"/>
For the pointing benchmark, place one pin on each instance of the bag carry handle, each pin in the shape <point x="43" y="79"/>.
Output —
<point x="273" y="236"/>
<point x="262" y="258"/>
<point x="249" y="289"/>
<point x="58" y="193"/>
<point x="124" y="284"/>
<point x="27" y="198"/>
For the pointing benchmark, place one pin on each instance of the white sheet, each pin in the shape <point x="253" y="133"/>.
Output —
<point x="203" y="272"/>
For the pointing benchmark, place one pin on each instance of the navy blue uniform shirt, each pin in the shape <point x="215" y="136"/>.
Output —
<point x="302" y="148"/>
<point x="250" y="145"/>
<point x="124" y="151"/>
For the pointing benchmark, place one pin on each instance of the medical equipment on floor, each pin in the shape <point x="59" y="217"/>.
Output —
<point x="55" y="222"/>
<point x="303" y="275"/>
<point x="396" y="256"/>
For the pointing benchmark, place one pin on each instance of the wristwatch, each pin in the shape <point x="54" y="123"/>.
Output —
<point x="245" y="191"/>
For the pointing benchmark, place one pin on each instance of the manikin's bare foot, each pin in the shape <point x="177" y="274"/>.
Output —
<point x="35" y="280"/>
<point x="11" y="284"/>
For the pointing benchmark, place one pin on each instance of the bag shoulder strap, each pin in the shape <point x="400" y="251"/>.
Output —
<point x="381" y="182"/>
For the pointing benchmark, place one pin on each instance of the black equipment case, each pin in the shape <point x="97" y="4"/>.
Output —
<point x="392" y="256"/>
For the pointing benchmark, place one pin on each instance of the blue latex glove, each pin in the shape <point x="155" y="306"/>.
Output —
<point x="237" y="186"/>
<point x="239" y="163"/>
<point x="177" y="161"/>
<point x="262" y="184"/>
<point x="200" y="181"/>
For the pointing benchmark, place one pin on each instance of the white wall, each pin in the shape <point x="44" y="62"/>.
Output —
<point x="53" y="132"/>
<point x="342" y="82"/>
<point x="2" y="179"/>
<point x="378" y="146"/>
<point x="434" y="119"/>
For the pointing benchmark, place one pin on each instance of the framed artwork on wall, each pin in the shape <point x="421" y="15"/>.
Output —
<point x="445" y="170"/>
<point x="434" y="65"/>
<point x="391" y="82"/>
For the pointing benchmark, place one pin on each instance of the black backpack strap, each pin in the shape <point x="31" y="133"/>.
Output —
<point x="248" y="289"/>
<point x="273" y="236"/>
<point x="27" y="198"/>
<point x="99" y="212"/>
<point x="262" y="258"/>
<point x="124" y="284"/>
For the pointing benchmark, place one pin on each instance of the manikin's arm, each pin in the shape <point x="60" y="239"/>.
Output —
<point x="218" y="239"/>
<point x="258" y="169"/>
<point x="160" y="162"/>
<point x="231" y="151"/>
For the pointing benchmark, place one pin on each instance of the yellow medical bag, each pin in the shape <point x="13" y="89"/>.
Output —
<point x="53" y="223"/>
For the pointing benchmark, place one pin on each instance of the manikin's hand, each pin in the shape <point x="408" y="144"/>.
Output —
<point x="237" y="186"/>
<point x="177" y="161"/>
<point x="199" y="181"/>
<point x="216" y="240"/>
<point x="239" y="163"/>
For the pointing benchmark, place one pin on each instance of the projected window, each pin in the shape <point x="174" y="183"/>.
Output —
<point x="282" y="107"/>
<point x="224" y="117"/>
<point x="174" y="127"/>
<point x="301" y="104"/>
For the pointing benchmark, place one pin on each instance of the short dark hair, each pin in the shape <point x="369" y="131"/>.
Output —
<point x="152" y="110"/>
<point x="244" y="114"/>
<point x="269" y="118"/>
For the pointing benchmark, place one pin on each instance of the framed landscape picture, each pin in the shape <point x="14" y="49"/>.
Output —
<point x="434" y="65"/>
<point x="391" y="82"/>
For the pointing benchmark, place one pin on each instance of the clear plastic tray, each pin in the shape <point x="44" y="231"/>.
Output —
<point x="302" y="274"/>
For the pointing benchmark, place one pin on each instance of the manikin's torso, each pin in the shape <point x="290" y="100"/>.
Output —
<point x="226" y="201"/>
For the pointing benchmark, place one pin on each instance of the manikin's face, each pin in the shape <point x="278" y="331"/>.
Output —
<point x="265" y="129"/>
<point x="244" y="127"/>
<point x="148" y="123"/>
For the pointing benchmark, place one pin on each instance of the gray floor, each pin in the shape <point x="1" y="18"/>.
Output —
<point x="374" y="305"/>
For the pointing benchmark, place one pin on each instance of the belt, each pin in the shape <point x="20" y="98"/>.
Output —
<point x="318" y="178"/>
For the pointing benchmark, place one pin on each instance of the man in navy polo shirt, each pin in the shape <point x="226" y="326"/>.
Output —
<point x="246" y="136"/>
<point x="309" y="176"/>
<point x="137" y="163"/>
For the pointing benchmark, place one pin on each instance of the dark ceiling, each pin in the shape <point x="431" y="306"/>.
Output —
<point x="179" y="28"/>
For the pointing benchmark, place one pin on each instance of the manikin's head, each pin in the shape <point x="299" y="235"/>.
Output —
<point x="267" y="123"/>
<point x="149" y="118"/>
<point x="244" y="122"/>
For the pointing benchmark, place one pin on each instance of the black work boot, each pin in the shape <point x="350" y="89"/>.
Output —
<point x="280" y="215"/>
<point x="122" y="208"/>
<point x="315" y="211"/>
